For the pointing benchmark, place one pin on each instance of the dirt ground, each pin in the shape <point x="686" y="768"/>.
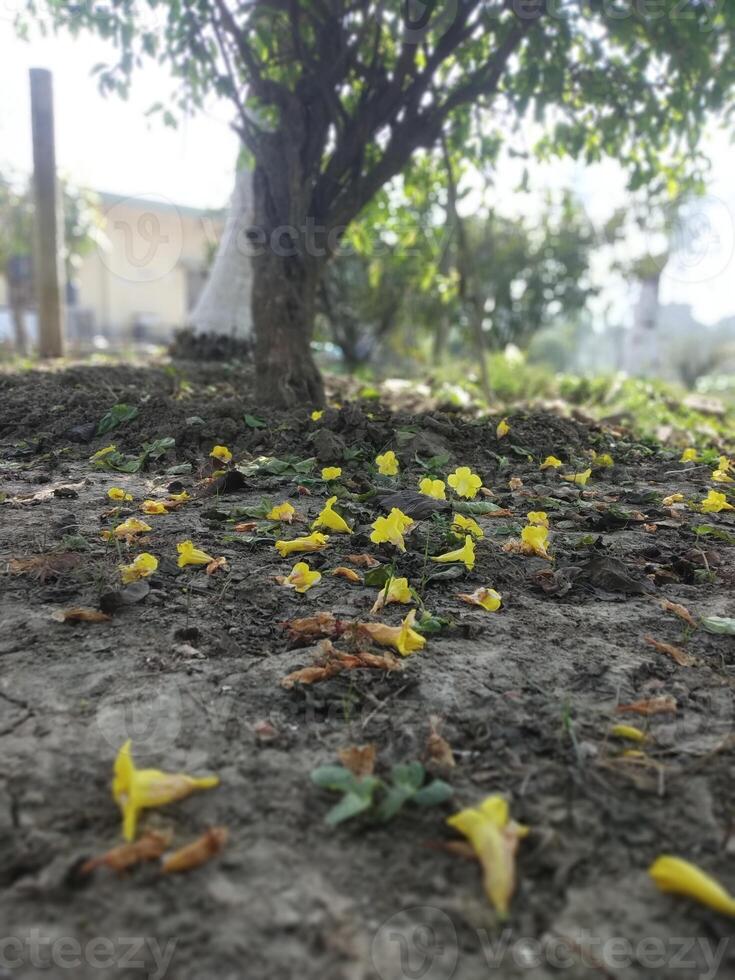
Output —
<point x="527" y="697"/>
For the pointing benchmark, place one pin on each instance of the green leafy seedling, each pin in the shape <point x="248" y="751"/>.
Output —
<point x="115" y="417"/>
<point x="407" y="786"/>
<point x="357" y="791"/>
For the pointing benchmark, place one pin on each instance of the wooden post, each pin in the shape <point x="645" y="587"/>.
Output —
<point x="48" y="251"/>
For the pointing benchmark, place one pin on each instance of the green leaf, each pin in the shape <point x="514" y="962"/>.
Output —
<point x="431" y="624"/>
<point x="435" y="793"/>
<point x="376" y="578"/>
<point x="475" y="507"/>
<point x="715" y="532"/>
<point x="334" y="777"/>
<point x="116" y="416"/>
<point x="723" y="625"/>
<point x="349" y="806"/>
<point x="254" y="423"/>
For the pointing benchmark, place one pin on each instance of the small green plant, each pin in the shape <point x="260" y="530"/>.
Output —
<point x="380" y="799"/>
<point x="115" y="417"/>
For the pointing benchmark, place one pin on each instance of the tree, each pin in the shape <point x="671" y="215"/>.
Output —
<point x="346" y="91"/>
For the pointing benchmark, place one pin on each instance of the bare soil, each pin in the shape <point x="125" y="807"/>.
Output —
<point x="527" y="698"/>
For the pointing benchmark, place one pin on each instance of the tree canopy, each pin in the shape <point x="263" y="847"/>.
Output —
<point x="333" y="97"/>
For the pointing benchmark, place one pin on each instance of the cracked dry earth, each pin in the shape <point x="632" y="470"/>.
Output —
<point x="527" y="698"/>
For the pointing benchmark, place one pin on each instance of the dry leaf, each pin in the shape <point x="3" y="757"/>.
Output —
<point x="200" y="851"/>
<point x="676" y="653"/>
<point x="309" y="629"/>
<point x="515" y="483"/>
<point x="363" y="561"/>
<point x="348" y="573"/>
<point x="44" y="567"/>
<point x="214" y="566"/>
<point x="664" y="704"/>
<point x="678" y="610"/>
<point x="80" y="614"/>
<point x="303" y="491"/>
<point x="246" y="526"/>
<point x="149" y="848"/>
<point x="331" y="661"/>
<point x="359" y="759"/>
<point x="438" y="749"/>
<point x="650" y="528"/>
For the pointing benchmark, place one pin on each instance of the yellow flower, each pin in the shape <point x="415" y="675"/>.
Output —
<point x="316" y="415"/>
<point x="116" y="493"/>
<point x="331" y="520"/>
<point x="281" y="512"/>
<point x="714" y="502"/>
<point x="140" y="789"/>
<point x="153" y="507"/>
<point x="398" y="591"/>
<point x="403" y="638"/>
<point x="503" y="429"/>
<point x="462" y="525"/>
<point x="604" y="459"/>
<point x="494" y="838"/>
<point x="387" y="463"/>
<point x="721" y="476"/>
<point x="391" y="529"/>
<point x="673" y="498"/>
<point x="673" y="874"/>
<point x="689" y="456"/>
<point x="487" y="599"/>
<point x="179" y="498"/>
<point x="128" y="529"/>
<point x="222" y="453"/>
<point x="464" y="482"/>
<point x="578" y="478"/>
<point x="630" y="732"/>
<point x="551" y="462"/>
<point x="189" y="555"/>
<point x="464" y="554"/>
<point x="534" y="540"/>
<point x="301" y="577"/>
<point x="331" y="472"/>
<point x="101" y="453"/>
<point x="539" y="517"/>
<point x="141" y="567"/>
<point x="433" y="488"/>
<point x="312" y="542"/>
<point x="725" y="464"/>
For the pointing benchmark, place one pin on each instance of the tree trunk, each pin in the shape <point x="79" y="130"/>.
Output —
<point x="19" y="324"/>
<point x="224" y="305"/>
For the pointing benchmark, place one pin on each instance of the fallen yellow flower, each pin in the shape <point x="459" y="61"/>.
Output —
<point x="312" y="542"/>
<point x="487" y="599"/>
<point x="689" y="455"/>
<point x="725" y="465"/>
<point x="189" y="555"/>
<point x="630" y="732"/>
<point x="673" y="498"/>
<point x="579" y="478"/>
<point x="140" y="789"/>
<point x="534" y="540"/>
<point x="503" y="429"/>
<point x="222" y="453"/>
<point x="721" y="476"/>
<point x="281" y="512"/>
<point x="464" y="482"/>
<point x="301" y="577"/>
<point x="551" y="462"/>
<point x="128" y="529"/>
<point x="331" y="520"/>
<point x="397" y="590"/>
<point x="539" y="517"/>
<point x="117" y="493"/>
<point x="604" y="459"/>
<point x="673" y="874"/>
<point x="464" y="554"/>
<point x="494" y="838"/>
<point x="316" y="415"/>
<point x="403" y="638"/>
<point x="331" y="472"/>
<point x="433" y="488"/>
<point x="391" y="529"/>
<point x="462" y="525"/>
<point x="179" y="498"/>
<point x="141" y="567"/>
<point x="715" y="502"/>
<point x="387" y="463"/>
<point x="153" y="507"/>
<point x="101" y="453"/>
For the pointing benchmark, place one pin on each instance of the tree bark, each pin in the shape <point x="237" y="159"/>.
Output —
<point x="224" y="306"/>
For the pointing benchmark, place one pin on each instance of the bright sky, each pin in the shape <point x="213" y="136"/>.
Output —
<point x="109" y="145"/>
